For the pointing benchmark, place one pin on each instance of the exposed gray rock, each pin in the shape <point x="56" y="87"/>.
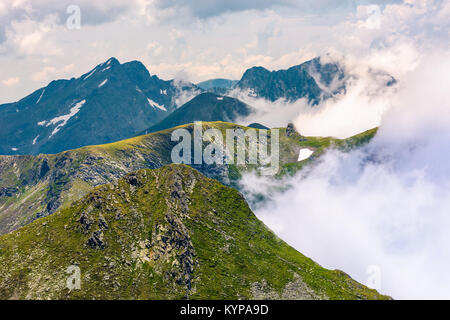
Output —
<point x="294" y="290"/>
<point x="96" y="240"/>
<point x="290" y="130"/>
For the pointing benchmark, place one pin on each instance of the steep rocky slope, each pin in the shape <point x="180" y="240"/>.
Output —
<point x="168" y="233"/>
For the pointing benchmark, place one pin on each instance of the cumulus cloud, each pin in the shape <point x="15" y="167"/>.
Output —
<point x="93" y="12"/>
<point x="158" y="10"/>
<point x="11" y="81"/>
<point x="223" y="45"/>
<point x="27" y="24"/>
<point x="271" y="114"/>
<point x="48" y="72"/>
<point x="29" y="37"/>
<point x="205" y="9"/>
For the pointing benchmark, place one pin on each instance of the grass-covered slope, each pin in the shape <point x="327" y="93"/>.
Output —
<point x="289" y="144"/>
<point x="169" y="233"/>
<point x="36" y="186"/>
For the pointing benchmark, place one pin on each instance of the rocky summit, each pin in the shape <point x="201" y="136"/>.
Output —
<point x="168" y="233"/>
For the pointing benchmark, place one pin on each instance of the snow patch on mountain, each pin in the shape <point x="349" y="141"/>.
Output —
<point x="90" y="74"/>
<point x="62" y="120"/>
<point x="304" y="154"/>
<point x="103" y="83"/>
<point x="42" y="94"/>
<point x="156" y="105"/>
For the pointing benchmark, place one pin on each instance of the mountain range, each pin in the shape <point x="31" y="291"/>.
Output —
<point x="109" y="103"/>
<point x="312" y="80"/>
<point x="116" y="101"/>
<point x="87" y="183"/>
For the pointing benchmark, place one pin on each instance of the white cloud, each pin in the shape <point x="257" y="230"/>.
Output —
<point x="49" y="72"/>
<point x="44" y="73"/>
<point x="28" y="37"/>
<point x="93" y="12"/>
<point x="11" y="81"/>
<point x="2" y="8"/>
<point x="207" y="9"/>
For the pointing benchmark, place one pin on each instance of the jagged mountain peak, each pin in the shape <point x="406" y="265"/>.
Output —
<point x="307" y="80"/>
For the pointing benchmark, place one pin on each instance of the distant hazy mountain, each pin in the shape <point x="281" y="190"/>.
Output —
<point x="258" y="126"/>
<point x="312" y="80"/>
<point x="109" y="103"/>
<point x="204" y="107"/>
<point x="219" y="86"/>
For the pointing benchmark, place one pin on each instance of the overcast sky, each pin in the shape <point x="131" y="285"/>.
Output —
<point x="197" y="40"/>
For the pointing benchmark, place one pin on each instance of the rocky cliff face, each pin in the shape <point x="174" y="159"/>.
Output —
<point x="169" y="233"/>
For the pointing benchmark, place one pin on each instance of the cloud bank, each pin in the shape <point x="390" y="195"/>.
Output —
<point x="387" y="205"/>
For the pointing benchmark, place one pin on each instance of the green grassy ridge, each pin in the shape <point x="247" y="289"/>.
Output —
<point x="45" y="183"/>
<point x="320" y="145"/>
<point x="171" y="234"/>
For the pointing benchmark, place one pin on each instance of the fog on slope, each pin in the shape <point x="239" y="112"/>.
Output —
<point x="353" y="111"/>
<point x="384" y="209"/>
